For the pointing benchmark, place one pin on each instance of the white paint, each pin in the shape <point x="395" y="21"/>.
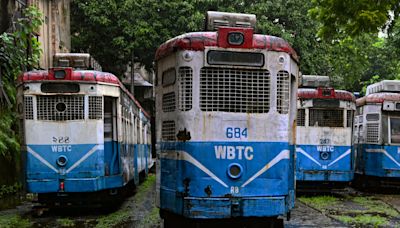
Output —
<point x="84" y="157"/>
<point x="61" y="148"/>
<point x="233" y="152"/>
<point x="282" y="155"/>
<point x="383" y="152"/>
<point x="184" y="156"/>
<point x="41" y="159"/>
<point x="340" y="157"/>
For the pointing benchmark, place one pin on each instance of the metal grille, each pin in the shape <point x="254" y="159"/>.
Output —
<point x="283" y="85"/>
<point x="168" y="102"/>
<point x="168" y="130"/>
<point x="301" y="117"/>
<point x="326" y="117"/>
<point x="372" y="133"/>
<point x="234" y="90"/>
<point x="349" y="118"/>
<point x="185" y="88"/>
<point x="28" y="102"/>
<point x="60" y="108"/>
<point x="95" y="107"/>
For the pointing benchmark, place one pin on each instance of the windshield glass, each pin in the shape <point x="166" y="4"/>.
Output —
<point x="394" y="130"/>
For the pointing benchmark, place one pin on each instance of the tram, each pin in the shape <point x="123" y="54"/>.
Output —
<point x="324" y="147"/>
<point x="225" y="120"/>
<point x="377" y="136"/>
<point x="85" y="138"/>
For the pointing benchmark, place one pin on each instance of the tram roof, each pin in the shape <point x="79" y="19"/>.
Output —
<point x="378" y="98"/>
<point x="75" y="75"/>
<point x="78" y="76"/>
<point x="320" y="93"/>
<point x="198" y="41"/>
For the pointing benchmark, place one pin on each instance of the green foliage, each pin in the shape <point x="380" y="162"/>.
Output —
<point x="363" y="220"/>
<point x="6" y="190"/>
<point x="65" y="222"/>
<point x="319" y="202"/>
<point x="11" y="221"/>
<point x="340" y="18"/>
<point x="14" y="60"/>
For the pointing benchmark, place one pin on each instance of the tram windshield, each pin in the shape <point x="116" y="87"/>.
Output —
<point x="394" y="130"/>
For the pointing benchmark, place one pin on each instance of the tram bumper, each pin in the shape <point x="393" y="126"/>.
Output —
<point x="218" y="208"/>
<point x="324" y="175"/>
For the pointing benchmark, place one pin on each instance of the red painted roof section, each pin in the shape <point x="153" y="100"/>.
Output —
<point x="72" y="75"/>
<point x="378" y="98"/>
<point x="78" y="76"/>
<point x="321" y="93"/>
<point x="197" y="41"/>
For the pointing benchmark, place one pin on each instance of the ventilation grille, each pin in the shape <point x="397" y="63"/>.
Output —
<point x="326" y="118"/>
<point x="60" y="108"/>
<point x="28" y="102"/>
<point x="372" y="133"/>
<point x="185" y="88"/>
<point x="95" y="107"/>
<point x="283" y="85"/>
<point x="168" y="102"/>
<point x="234" y="90"/>
<point x="349" y="118"/>
<point x="301" y="117"/>
<point x="168" y="131"/>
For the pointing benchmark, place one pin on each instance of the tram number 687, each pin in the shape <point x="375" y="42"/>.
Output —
<point x="236" y="132"/>
<point x="234" y="189"/>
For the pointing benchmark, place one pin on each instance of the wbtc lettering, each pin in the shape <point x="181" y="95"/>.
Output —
<point x="233" y="152"/>
<point x="61" y="148"/>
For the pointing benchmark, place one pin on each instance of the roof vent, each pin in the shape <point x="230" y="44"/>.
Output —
<point x="76" y="60"/>
<point x="214" y="20"/>
<point x="384" y="86"/>
<point x="314" y="81"/>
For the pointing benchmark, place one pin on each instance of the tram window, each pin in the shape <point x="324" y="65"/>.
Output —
<point x="301" y="117"/>
<point x="373" y="117"/>
<point x="394" y="130"/>
<point x="235" y="58"/>
<point x="169" y="77"/>
<point x="60" y="88"/>
<point x="349" y="118"/>
<point x="283" y="92"/>
<point x="326" y="117"/>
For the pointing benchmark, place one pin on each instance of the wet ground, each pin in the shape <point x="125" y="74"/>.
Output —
<point x="346" y="209"/>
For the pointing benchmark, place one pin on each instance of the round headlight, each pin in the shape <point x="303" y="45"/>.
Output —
<point x="324" y="155"/>
<point x="234" y="170"/>
<point x="61" y="107"/>
<point x="62" y="161"/>
<point x="235" y="38"/>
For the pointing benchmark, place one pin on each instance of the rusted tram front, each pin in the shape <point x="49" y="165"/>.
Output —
<point x="226" y="109"/>
<point x="325" y="156"/>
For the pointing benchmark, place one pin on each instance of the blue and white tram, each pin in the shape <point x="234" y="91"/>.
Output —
<point x="377" y="135"/>
<point x="82" y="132"/>
<point x="226" y="110"/>
<point x="325" y="156"/>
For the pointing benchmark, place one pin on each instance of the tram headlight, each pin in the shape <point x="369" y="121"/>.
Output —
<point x="234" y="170"/>
<point x="325" y="155"/>
<point x="60" y="74"/>
<point x="62" y="161"/>
<point x="235" y="38"/>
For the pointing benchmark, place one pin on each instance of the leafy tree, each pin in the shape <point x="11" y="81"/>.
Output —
<point x="18" y="51"/>
<point x="340" y="18"/>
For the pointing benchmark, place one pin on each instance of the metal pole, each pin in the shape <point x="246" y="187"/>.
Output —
<point x="133" y="74"/>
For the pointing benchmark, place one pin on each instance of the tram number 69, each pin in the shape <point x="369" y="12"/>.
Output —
<point x="236" y="132"/>
<point x="234" y="189"/>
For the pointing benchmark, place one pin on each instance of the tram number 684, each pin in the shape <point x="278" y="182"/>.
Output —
<point x="236" y="132"/>
<point x="234" y="189"/>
